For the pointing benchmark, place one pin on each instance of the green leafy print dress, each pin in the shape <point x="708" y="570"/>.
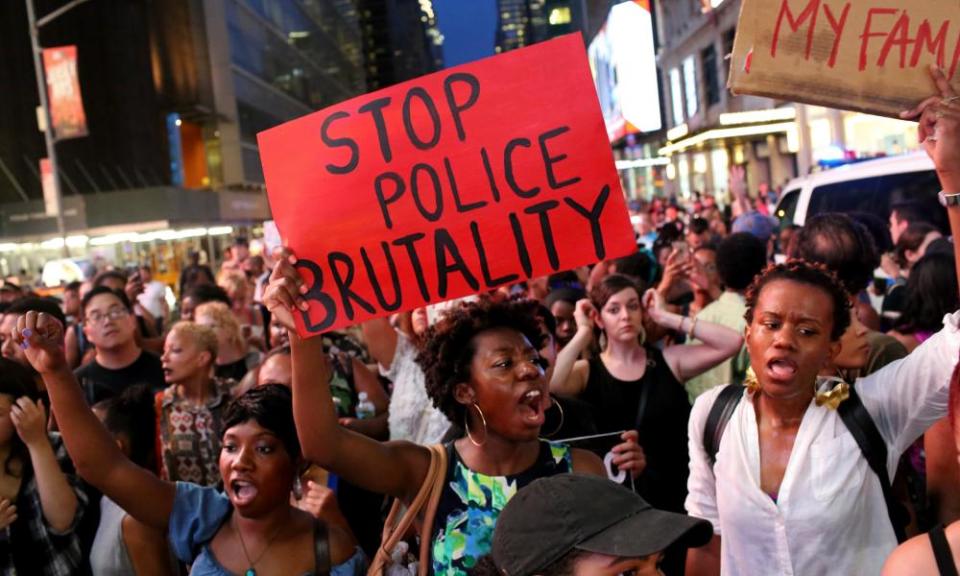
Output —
<point x="471" y="503"/>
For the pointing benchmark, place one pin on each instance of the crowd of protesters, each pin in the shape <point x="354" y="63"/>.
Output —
<point x="727" y="400"/>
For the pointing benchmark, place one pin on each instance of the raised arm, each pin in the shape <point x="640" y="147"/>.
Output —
<point x="94" y="453"/>
<point x="58" y="501"/>
<point x="907" y="397"/>
<point x="687" y="361"/>
<point x="381" y="340"/>
<point x="394" y="468"/>
<point x="569" y="376"/>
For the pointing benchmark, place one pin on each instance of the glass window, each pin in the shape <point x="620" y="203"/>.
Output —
<point x="787" y="207"/>
<point x="676" y="95"/>
<point x="876" y="195"/>
<point x="690" y="85"/>
<point x="711" y="77"/>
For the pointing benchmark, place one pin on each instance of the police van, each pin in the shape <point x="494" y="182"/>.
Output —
<point x="871" y="186"/>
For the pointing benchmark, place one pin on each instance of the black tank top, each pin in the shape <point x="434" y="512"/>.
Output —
<point x="662" y="425"/>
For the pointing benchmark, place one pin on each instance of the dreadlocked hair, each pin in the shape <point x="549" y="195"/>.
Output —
<point x="811" y="274"/>
<point x="448" y="346"/>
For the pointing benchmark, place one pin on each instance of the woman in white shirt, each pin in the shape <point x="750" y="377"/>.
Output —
<point x="791" y="491"/>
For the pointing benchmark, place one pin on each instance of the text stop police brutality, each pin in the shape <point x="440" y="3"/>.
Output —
<point x="447" y="185"/>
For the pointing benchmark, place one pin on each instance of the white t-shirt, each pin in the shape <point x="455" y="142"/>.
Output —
<point x="830" y="516"/>
<point x="412" y="414"/>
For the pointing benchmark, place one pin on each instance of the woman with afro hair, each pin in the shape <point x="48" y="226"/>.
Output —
<point x="483" y="371"/>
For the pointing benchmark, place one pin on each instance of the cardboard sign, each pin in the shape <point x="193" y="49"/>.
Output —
<point x="448" y="185"/>
<point x="867" y="56"/>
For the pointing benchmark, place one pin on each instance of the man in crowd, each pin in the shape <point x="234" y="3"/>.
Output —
<point x="903" y="214"/>
<point x="847" y="248"/>
<point x="71" y="302"/>
<point x="110" y="325"/>
<point x="8" y="321"/>
<point x="740" y="257"/>
<point x="9" y="291"/>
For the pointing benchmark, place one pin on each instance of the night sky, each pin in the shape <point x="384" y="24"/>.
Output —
<point x="468" y="27"/>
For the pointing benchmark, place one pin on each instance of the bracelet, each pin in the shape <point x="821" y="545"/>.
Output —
<point x="693" y="326"/>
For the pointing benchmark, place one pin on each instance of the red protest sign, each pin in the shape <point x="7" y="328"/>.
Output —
<point x="454" y="183"/>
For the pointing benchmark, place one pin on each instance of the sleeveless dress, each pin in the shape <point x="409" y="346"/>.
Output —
<point x="662" y="426"/>
<point x="471" y="503"/>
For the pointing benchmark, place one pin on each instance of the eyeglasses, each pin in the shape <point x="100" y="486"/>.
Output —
<point x="112" y="314"/>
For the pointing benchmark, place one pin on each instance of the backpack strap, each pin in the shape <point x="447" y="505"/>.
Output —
<point x="717" y="419"/>
<point x="858" y="421"/>
<point x="321" y="548"/>
<point x="941" y="551"/>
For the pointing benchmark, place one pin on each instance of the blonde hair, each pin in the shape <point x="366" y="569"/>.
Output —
<point x="234" y="284"/>
<point x="203" y="336"/>
<point x="223" y="318"/>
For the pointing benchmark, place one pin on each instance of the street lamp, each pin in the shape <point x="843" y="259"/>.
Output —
<point x="35" y="26"/>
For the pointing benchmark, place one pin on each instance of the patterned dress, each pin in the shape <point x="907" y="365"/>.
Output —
<point x="471" y="503"/>
<point x="189" y="436"/>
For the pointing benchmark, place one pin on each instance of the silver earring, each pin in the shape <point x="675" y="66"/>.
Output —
<point x="297" y="488"/>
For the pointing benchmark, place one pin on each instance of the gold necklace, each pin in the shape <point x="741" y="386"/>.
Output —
<point x="253" y="563"/>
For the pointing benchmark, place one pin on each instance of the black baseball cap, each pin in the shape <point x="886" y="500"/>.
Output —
<point x="552" y="516"/>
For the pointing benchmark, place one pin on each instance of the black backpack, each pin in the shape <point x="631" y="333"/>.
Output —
<point x="854" y="416"/>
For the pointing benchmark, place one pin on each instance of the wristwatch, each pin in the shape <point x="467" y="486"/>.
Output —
<point x="947" y="200"/>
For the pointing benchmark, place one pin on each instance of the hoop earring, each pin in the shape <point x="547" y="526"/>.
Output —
<point x="297" y="488"/>
<point x="560" y="425"/>
<point x="643" y="335"/>
<point x="466" y="425"/>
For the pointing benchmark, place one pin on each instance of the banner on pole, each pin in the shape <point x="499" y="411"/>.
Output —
<point x="447" y="185"/>
<point x="867" y="56"/>
<point x="63" y="92"/>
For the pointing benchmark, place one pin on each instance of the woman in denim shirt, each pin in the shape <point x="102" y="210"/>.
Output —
<point x="250" y="528"/>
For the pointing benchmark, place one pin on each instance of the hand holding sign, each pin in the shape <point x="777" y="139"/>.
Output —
<point x="284" y="293"/>
<point x="939" y="130"/>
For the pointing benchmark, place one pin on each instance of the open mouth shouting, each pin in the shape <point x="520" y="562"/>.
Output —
<point x="533" y="406"/>
<point x="781" y="369"/>
<point x="244" y="492"/>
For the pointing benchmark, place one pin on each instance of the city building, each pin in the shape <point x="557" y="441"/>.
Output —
<point x="524" y="22"/>
<point x="623" y="61"/>
<point x="709" y="129"/>
<point x="174" y="93"/>
<point x="401" y="40"/>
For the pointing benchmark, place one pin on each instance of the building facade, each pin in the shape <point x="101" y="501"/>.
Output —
<point x="710" y="129"/>
<point x="174" y="93"/>
<point x="524" y="22"/>
<point x="401" y="40"/>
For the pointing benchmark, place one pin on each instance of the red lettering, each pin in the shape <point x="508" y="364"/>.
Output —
<point x="899" y="36"/>
<point x="936" y="45"/>
<point x="956" y="60"/>
<point x="867" y="34"/>
<point x="837" y="30"/>
<point x="810" y="12"/>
